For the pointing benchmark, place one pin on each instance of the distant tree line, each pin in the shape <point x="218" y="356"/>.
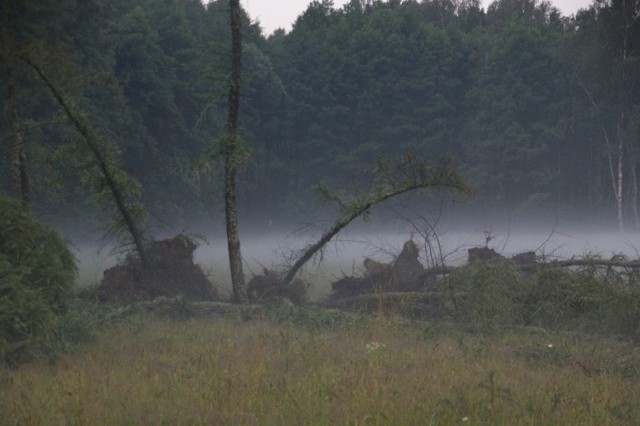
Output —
<point x="540" y="109"/>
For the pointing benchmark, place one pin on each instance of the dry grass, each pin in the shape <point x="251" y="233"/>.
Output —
<point x="149" y="370"/>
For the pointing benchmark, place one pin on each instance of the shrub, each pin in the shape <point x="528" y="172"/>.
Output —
<point x="487" y="294"/>
<point x="560" y="297"/>
<point x="622" y="314"/>
<point x="37" y="271"/>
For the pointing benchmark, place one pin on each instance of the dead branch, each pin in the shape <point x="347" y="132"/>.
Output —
<point x="179" y="306"/>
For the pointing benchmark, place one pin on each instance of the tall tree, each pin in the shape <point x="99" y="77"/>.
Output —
<point x="515" y="121"/>
<point x="608" y="75"/>
<point x="113" y="178"/>
<point x="231" y="157"/>
<point x="19" y="177"/>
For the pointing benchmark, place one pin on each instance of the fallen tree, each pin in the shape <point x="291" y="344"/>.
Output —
<point x="596" y="262"/>
<point x="404" y="274"/>
<point x="390" y="179"/>
<point x="123" y="189"/>
<point x="178" y="306"/>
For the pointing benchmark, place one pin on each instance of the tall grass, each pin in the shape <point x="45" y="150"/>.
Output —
<point x="150" y="370"/>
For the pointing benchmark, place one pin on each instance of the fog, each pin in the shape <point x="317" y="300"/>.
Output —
<point x="381" y="240"/>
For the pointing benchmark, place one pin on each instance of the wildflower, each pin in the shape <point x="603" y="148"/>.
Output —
<point x="374" y="346"/>
<point x="550" y="345"/>
<point x="465" y="419"/>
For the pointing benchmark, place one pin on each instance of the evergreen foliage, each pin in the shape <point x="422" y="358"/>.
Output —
<point x="540" y="108"/>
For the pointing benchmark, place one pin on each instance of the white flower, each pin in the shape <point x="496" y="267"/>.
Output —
<point x="373" y="346"/>
<point x="465" y="419"/>
<point x="550" y="345"/>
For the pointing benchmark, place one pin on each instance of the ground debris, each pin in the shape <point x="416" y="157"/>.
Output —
<point x="179" y="307"/>
<point x="270" y="284"/>
<point x="172" y="273"/>
<point x="482" y="254"/>
<point x="404" y="274"/>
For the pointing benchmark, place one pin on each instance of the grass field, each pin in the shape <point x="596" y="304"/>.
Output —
<point x="378" y="370"/>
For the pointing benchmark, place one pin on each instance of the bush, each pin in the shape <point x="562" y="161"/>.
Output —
<point x="486" y="294"/>
<point x="561" y="298"/>
<point x="622" y="314"/>
<point x="37" y="271"/>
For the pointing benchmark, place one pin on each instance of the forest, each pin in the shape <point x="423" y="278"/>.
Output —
<point x="538" y="109"/>
<point x="144" y="122"/>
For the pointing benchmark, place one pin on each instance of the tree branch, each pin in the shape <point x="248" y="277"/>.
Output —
<point x="391" y="179"/>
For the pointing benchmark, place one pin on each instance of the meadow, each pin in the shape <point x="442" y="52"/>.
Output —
<point x="554" y="346"/>
<point x="302" y="365"/>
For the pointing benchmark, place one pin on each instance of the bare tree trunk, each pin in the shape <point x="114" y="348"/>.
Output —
<point x="231" y="159"/>
<point x="617" y="178"/>
<point x="634" y="193"/>
<point x="19" y="176"/>
<point x="617" y="173"/>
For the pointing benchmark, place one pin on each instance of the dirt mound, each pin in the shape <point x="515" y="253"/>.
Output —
<point x="271" y="285"/>
<point x="172" y="273"/>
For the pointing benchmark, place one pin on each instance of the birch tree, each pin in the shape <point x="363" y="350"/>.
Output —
<point x="612" y="29"/>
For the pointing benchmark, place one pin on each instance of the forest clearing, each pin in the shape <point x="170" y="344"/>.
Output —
<point x="295" y="365"/>
<point x="144" y="125"/>
<point x="505" y="346"/>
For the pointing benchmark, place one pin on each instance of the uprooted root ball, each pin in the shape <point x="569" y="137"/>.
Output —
<point x="172" y="273"/>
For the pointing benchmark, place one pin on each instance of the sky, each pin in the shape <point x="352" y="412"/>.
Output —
<point x="274" y="14"/>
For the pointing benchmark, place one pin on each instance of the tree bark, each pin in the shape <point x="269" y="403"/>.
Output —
<point x="231" y="158"/>
<point x="19" y="177"/>
<point x="634" y="193"/>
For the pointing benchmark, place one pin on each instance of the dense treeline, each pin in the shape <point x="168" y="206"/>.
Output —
<point x="539" y="108"/>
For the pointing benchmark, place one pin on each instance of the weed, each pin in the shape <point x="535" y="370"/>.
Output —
<point x="487" y="294"/>
<point x="288" y="369"/>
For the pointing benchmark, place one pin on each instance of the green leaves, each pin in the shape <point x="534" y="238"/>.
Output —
<point x="509" y="92"/>
<point x="391" y="178"/>
<point x="37" y="273"/>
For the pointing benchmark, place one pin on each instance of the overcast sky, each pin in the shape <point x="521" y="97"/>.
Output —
<point x="274" y="14"/>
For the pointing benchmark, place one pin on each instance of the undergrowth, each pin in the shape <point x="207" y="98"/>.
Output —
<point x="485" y="296"/>
<point x="37" y="271"/>
<point x="516" y="347"/>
